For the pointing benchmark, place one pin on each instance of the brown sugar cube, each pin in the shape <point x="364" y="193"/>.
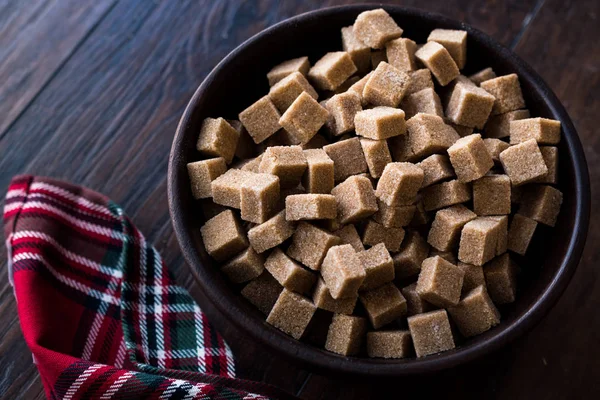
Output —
<point x="501" y="279"/>
<point x="413" y="251"/>
<point x="310" y="206"/>
<point x="246" y="266"/>
<point x="375" y="27"/>
<point x="287" y="162"/>
<point x="358" y="51"/>
<point x="469" y="105"/>
<point x="473" y="276"/>
<point x="310" y="245"/>
<point x="262" y="292"/>
<point x="217" y="139"/>
<point x="420" y="217"/>
<point x="507" y="91"/>
<point x="401" y="54"/>
<point x="323" y="300"/>
<point x="446" y="255"/>
<point x="523" y="162"/>
<point x="250" y="165"/>
<point x="399" y="184"/>
<point x="491" y="195"/>
<point x="288" y="67"/>
<point x="304" y="118"/>
<point x="543" y="130"/>
<point x="383" y="305"/>
<point x="289" y="273"/>
<point x="445" y="229"/>
<point x="478" y="241"/>
<point x="342" y="109"/>
<point x="332" y="70"/>
<point x="541" y="203"/>
<point x="318" y="177"/>
<point x="431" y="332"/>
<point x="482" y="76"/>
<point x="445" y="194"/>
<point x="520" y="233"/>
<point x="342" y="271"/>
<point x="454" y="41"/>
<point x="355" y="199"/>
<point x="284" y="92"/>
<point x="425" y="101"/>
<point x="223" y="236"/>
<point x="346" y="334"/>
<point x="475" y="313"/>
<point x="436" y="168"/>
<point x="495" y="147"/>
<point x="261" y="119"/>
<point x="377" y="57"/>
<point x="501" y="222"/>
<point x="419" y="80"/>
<point x="375" y="233"/>
<point x="270" y="233"/>
<point x="498" y="126"/>
<point x="291" y="313"/>
<point x="359" y="86"/>
<point x="378" y="265"/>
<point x="258" y="197"/>
<point x="349" y="235"/>
<point x="227" y="188"/>
<point x="428" y="134"/>
<point x="400" y="149"/>
<point x="389" y="344"/>
<point x="348" y="158"/>
<point x="394" y="217"/>
<point x="386" y="86"/>
<point x="440" y="282"/>
<point x="470" y="158"/>
<point x="202" y="173"/>
<point x="377" y="155"/>
<point x="415" y="304"/>
<point x="380" y="123"/>
<point x="439" y="61"/>
<point x="550" y="155"/>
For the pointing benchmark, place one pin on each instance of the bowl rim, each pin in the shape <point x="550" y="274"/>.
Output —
<point x="317" y="359"/>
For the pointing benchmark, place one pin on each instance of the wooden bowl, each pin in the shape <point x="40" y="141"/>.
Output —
<point x="240" y="79"/>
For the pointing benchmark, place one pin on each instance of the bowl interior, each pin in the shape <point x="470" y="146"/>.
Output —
<point x="240" y="79"/>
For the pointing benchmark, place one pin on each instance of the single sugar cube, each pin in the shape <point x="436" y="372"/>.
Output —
<point x="501" y="224"/>
<point x="288" y="67"/>
<point x="541" y="203"/>
<point x="482" y="76"/>
<point x="375" y="27"/>
<point x="386" y="86"/>
<point x="543" y="130"/>
<point x="310" y="245"/>
<point x="445" y="194"/>
<point x="377" y="155"/>
<point x="342" y="109"/>
<point x="501" y="279"/>
<point x="431" y="332"/>
<point x="380" y="123"/>
<point x="223" y="236"/>
<point x="346" y="334"/>
<point x="202" y="173"/>
<point x="470" y="158"/>
<point x="342" y="271"/>
<point x="473" y="276"/>
<point x="310" y="206"/>
<point x="520" y="233"/>
<point x="425" y="101"/>
<point x="383" y="305"/>
<point x="447" y="225"/>
<point x="349" y="235"/>
<point x="284" y="92"/>
<point x="332" y="70"/>
<point x="389" y="344"/>
<point x="378" y="265"/>
<point x="358" y="51"/>
<point x="491" y="195"/>
<point x="270" y="233"/>
<point x="419" y="80"/>
<point x="399" y="184"/>
<point x="289" y="273"/>
<point x="498" y="126"/>
<point x="475" y="313"/>
<point x="469" y="105"/>
<point x="401" y="54"/>
<point x="262" y="292"/>
<point x="495" y="147"/>
<point x="291" y="313"/>
<point x="436" y="168"/>
<point x="348" y="158"/>
<point x="246" y="266"/>
<point x="440" y="282"/>
<point x="323" y="300"/>
<point x="446" y="255"/>
<point x="454" y="41"/>
<point x="394" y="216"/>
<point x="355" y="199"/>
<point x="439" y="61"/>
<point x="428" y="134"/>
<point x="258" y="197"/>
<point x="415" y="304"/>
<point x="217" y="139"/>
<point x="523" y="162"/>
<point x="478" y="241"/>
<point x="261" y="119"/>
<point x="287" y="162"/>
<point x="550" y="156"/>
<point x="507" y="91"/>
<point x="304" y="118"/>
<point x="377" y="57"/>
<point x="375" y="233"/>
<point x="319" y="176"/>
<point x="413" y="251"/>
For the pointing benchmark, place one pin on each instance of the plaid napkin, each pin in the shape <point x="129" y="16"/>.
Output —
<point x="98" y="308"/>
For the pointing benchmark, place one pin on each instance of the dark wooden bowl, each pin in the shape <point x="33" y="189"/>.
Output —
<point x="239" y="80"/>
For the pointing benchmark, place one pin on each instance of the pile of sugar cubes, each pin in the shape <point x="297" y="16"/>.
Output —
<point x="359" y="187"/>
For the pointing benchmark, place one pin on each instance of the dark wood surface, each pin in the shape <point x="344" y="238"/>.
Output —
<point x="91" y="91"/>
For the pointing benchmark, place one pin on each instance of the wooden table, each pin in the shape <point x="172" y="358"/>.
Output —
<point x="91" y="91"/>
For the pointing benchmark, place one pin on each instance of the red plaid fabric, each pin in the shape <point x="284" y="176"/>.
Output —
<point x="98" y="308"/>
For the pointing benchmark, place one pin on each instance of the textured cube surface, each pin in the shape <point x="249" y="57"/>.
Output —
<point x="408" y="261"/>
<point x="389" y="344"/>
<point x="469" y="105"/>
<point x="304" y="117"/>
<point x="323" y="300"/>
<point x="400" y="53"/>
<point x="440" y="282"/>
<point x="332" y="70"/>
<point x="310" y="206"/>
<point x="439" y="61"/>
<point x="428" y="134"/>
<point x="436" y="168"/>
<point x="358" y="51"/>
<point x="288" y="273"/>
<point x="478" y="241"/>
<point x="262" y="292"/>
<point x="288" y="67"/>
<point x="270" y="233"/>
<point x="348" y="158"/>
<point x="475" y="313"/>
<point x="415" y="304"/>
<point x="419" y="80"/>
<point x="431" y="332"/>
<point x="380" y="123"/>
<point x="284" y="92"/>
<point x="445" y="194"/>
<point x="310" y="245"/>
<point x="483" y="75"/>
<point x="394" y="216"/>
<point x="498" y="126"/>
<point x="375" y="28"/>
<point x="378" y="265"/>
<point x="261" y="119"/>
<point x="550" y="156"/>
<point x="286" y="162"/>
<point x="447" y="225"/>
<point x="491" y="195"/>
<point x="383" y="305"/>
<point x="375" y="233"/>
<point x="425" y="101"/>
<point x="217" y="139"/>
<point x="342" y="271"/>
<point x="355" y="199"/>
<point x="202" y="173"/>
<point x="495" y="147"/>
<point x="520" y="233"/>
<point x="319" y="176"/>
<point x="291" y="313"/>
<point x="523" y="162"/>
<point x="386" y="86"/>
<point x="541" y="203"/>
<point x="244" y="267"/>
<point x="349" y="235"/>
<point x="223" y="236"/>
<point x="507" y="91"/>
<point x="473" y="276"/>
<point x="342" y="109"/>
<point x="501" y="279"/>
<point x="399" y="184"/>
<point x="454" y="41"/>
<point x="543" y="130"/>
<point x="377" y="154"/>
<point x="259" y="196"/>
<point x="346" y="334"/>
<point x="470" y="158"/>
